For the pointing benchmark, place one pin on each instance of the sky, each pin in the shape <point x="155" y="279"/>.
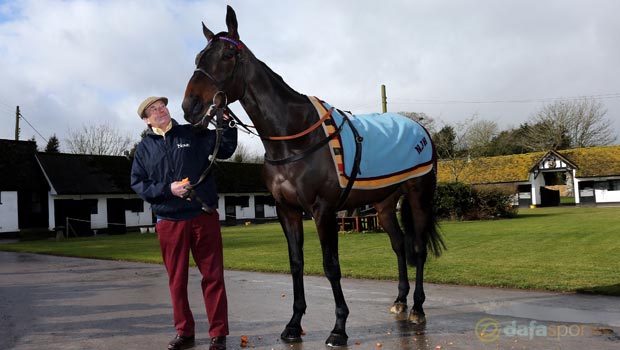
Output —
<point x="70" y="64"/>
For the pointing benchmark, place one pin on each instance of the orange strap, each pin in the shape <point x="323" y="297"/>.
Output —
<point x="305" y="132"/>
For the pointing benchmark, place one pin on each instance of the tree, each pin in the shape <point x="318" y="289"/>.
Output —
<point x="569" y="124"/>
<point x="445" y="142"/>
<point x="426" y="121"/>
<point x="33" y="139"/>
<point x="243" y="154"/>
<point x="452" y="146"/>
<point x="591" y="126"/>
<point x="479" y="137"/>
<point x="508" y="142"/>
<point x="130" y="154"/>
<point x="102" y="139"/>
<point x="53" y="145"/>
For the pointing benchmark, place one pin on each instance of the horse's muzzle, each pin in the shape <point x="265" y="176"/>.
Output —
<point x="193" y="110"/>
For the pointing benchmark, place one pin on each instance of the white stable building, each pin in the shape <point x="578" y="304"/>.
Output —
<point x="590" y="175"/>
<point x="92" y="194"/>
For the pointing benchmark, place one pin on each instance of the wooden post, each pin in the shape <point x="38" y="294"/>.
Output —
<point x="383" y="99"/>
<point x="17" y="124"/>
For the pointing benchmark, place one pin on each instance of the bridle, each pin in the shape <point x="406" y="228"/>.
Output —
<point x="236" y="121"/>
<point x="217" y="109"/>
<point x="221" y="108"/>
<point x="221" y="84"/>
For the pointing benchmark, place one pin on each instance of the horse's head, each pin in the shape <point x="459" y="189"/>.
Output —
<point x="218" y="69"/>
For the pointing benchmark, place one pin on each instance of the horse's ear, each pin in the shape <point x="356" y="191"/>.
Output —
<point x="208" y="34"/>
<point x="231" y="23"/>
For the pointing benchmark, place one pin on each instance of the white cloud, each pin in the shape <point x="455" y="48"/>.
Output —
<point x="67" y="63"/>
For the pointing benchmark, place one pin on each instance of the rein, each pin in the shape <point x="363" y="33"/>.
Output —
<point x="236" y="123"/>
<point x="219" y="128"/>
<point x="295" y="157"/>
<point x="312" y="149"/>
<point x="305" y="132"/>
<point x="356" y="161"/>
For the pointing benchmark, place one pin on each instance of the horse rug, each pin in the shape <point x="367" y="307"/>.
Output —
<point x="394" y="148"/>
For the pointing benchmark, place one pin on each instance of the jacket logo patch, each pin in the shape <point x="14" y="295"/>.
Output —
<point x="182" y="145"/>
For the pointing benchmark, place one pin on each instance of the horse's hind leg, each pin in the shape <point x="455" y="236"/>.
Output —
<point x="291" y="221"/>
<point x="419" y="206"/>
<point x="386" y="210"/>
<point x="328" y="234"/>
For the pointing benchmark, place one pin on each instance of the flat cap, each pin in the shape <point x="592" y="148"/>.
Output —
<point x="149" y="101"/>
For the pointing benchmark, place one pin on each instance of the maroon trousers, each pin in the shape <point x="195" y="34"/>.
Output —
<point x="203" y="237"/>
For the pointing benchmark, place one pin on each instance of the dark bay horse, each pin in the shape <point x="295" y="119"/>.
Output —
<point x="309" y="182"/>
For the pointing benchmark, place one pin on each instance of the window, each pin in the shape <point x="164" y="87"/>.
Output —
<point x="135" y="205"/>
<point x="265" y="200"/>
<point x="36" y="203"/>
<point x="243" y="201"/>
<point x="92" y="204"/>
<point x="613" y="185"/>
<point x="259" y="211"/>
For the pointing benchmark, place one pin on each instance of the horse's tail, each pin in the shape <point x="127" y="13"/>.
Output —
<point x="429" y="236"/>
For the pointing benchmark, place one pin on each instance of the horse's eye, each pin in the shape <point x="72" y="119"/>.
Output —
<point x="229" y="55"/>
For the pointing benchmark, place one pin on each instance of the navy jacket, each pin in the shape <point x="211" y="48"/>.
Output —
<point x="183" y="152"/>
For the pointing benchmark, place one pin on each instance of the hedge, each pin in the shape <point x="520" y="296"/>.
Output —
<point x="459" y="201"/>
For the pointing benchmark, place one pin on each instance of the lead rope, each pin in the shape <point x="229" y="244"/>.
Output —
<point x="219" y="128"/>
<point x="295" y="157"/>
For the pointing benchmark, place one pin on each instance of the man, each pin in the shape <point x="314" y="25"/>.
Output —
<point x="167" y="154"/>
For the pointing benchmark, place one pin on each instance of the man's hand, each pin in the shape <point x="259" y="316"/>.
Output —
<point x="178" y="188"/>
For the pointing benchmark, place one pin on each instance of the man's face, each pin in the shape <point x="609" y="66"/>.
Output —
<point x="157" y="115"/>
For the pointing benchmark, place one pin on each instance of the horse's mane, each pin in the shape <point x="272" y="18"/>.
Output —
<point x="275" y="76"/>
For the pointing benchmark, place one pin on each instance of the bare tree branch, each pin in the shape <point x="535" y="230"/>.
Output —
<point x="569" y="124"/>
<point x="243" y="154"/>
<point x="102" y="139"/>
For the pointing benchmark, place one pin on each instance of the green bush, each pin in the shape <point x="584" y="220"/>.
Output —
<point x="459" y="201"/>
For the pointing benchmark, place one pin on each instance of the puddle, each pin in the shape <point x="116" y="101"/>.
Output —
<point x="556" y="314"/>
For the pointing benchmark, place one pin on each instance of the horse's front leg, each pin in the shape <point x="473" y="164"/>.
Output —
<point x="291" y="221"/>
<point x="327" y="228"/>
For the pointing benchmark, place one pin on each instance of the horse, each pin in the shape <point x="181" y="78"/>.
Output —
<point x="299" y="172"/>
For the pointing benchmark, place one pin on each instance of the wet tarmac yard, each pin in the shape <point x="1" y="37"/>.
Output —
<point x="51" y="302"/>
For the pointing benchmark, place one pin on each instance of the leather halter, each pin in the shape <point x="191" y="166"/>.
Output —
<point x="295" y="157"/>
<point x="219" y="84"/>
<point x="238" y="122"/>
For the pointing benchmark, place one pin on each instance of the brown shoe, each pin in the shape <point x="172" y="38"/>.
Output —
<point x="218" y="343"/>
<point x="181" y="342"/>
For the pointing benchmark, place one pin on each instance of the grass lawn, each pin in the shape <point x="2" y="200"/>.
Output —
<point x="562" y="249"/>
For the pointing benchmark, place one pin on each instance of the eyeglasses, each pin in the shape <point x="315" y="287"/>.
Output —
<point x="156" y="107"/>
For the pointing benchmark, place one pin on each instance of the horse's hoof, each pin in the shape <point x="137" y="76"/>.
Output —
<point x="416" y="317"/>
<point x="291" y="335"/>
<point x="336" y="340"/>
<point x="398" y="308"/>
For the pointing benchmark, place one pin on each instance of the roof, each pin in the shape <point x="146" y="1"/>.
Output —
<point x="86" y="174"/>
<point x="19" y="170"/>
<point x="590" y="162"/>
<point x="595" y="161"/>
<point x="91" y="174"/>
